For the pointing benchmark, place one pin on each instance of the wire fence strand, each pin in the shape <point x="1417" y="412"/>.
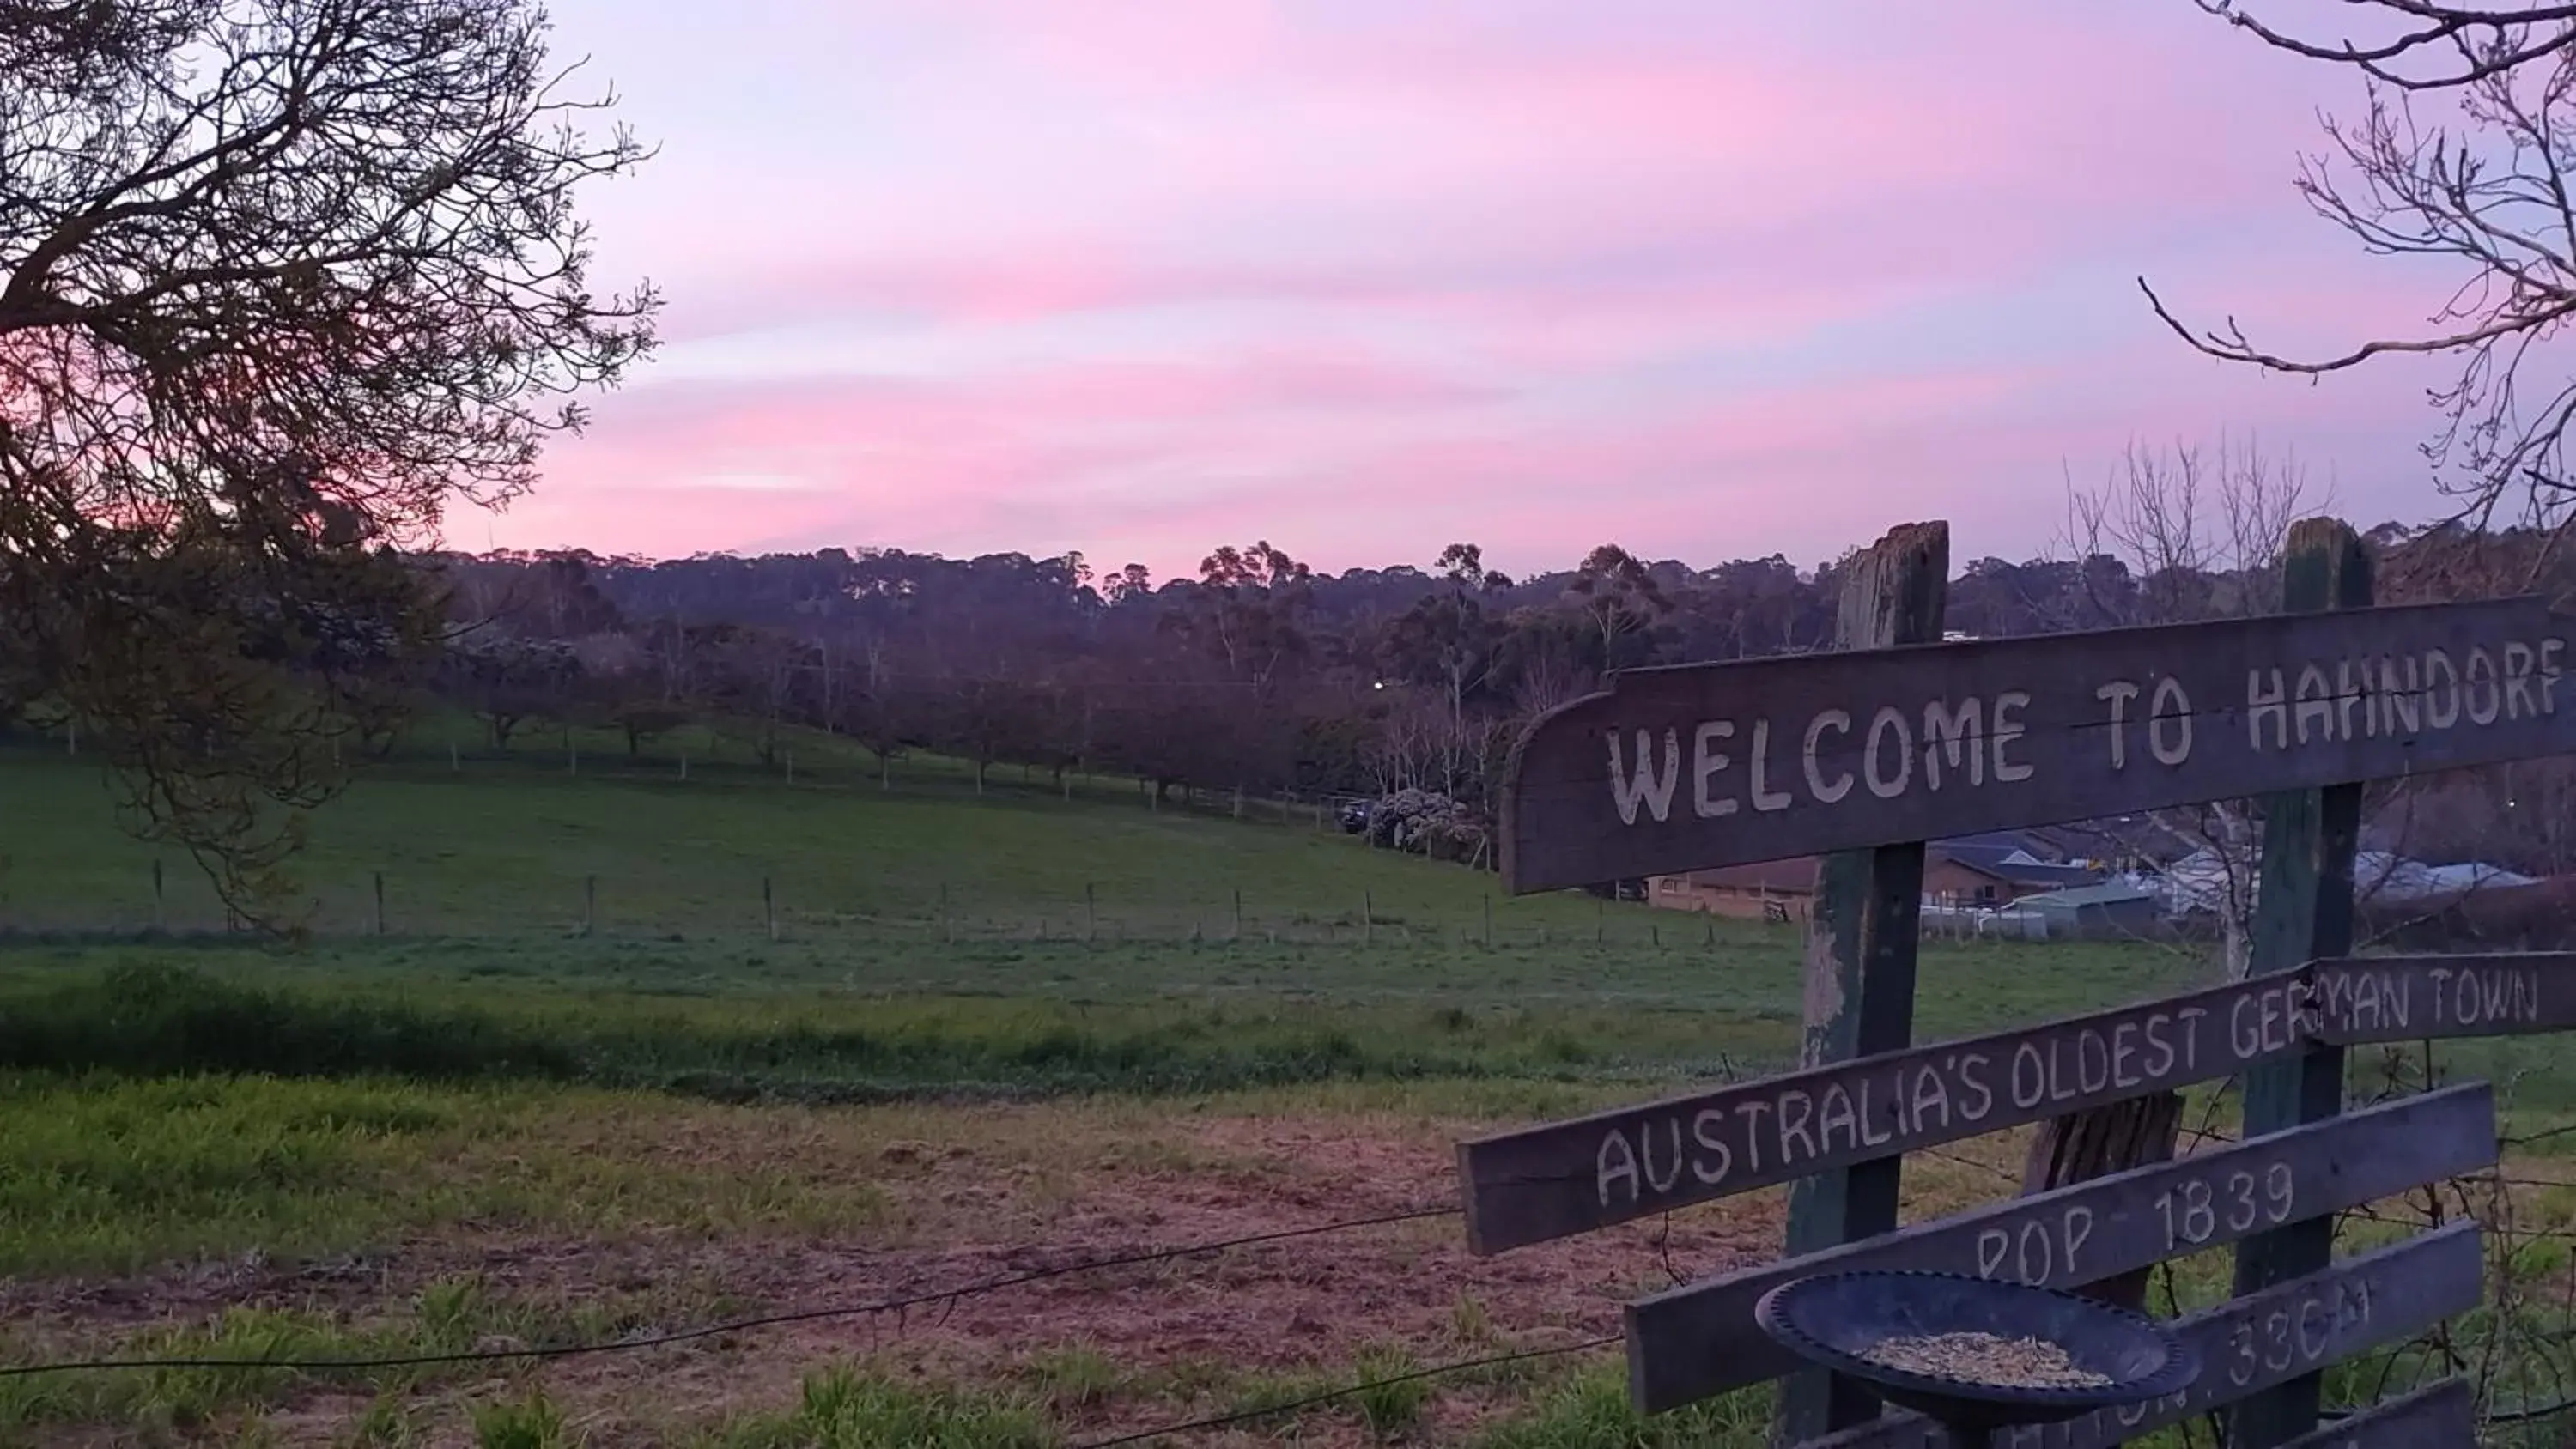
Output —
<point x="728" y="1326"/>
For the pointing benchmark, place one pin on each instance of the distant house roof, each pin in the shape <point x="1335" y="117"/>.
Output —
<point x="2109" y="893"/>
<point x="2000" y="842"/>
<point x="2015" y="867"/>
<point x="1795" y="876"/>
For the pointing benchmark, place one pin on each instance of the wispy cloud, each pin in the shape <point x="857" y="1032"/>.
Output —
<point x="1363" y="279"/>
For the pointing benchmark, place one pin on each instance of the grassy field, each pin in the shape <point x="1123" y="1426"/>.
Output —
<point x="581" y="1087"/>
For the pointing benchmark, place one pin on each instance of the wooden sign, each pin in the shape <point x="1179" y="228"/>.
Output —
<point x="1694" y="1341"/>
<point x="2252" y="1343"/>
<point x="1699" y="766"/>
<point x="1535" y="1184"/>
<point x="2441" y="1417"/>
<point x="2419" y="998"/>
<point x="1539" y="1183"/>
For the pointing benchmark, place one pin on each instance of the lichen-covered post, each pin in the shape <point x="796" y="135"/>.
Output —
<point x="1859" y="974"/>
<point x="2303" y="909"/>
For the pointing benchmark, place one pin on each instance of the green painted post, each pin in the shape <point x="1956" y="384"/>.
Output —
<point x="1859" y="967"/>
<point x="2303" y="909"/>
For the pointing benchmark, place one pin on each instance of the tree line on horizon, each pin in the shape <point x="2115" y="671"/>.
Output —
<point x="1258" y="675"/>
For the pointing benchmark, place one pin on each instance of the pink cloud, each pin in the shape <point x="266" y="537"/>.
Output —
<point x="1366" y="280"/>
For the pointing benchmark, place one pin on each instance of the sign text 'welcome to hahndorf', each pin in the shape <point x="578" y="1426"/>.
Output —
<point x="1700" y="766"/>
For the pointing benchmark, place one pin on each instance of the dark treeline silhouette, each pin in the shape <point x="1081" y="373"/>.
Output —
<point x="1256" y="676"/>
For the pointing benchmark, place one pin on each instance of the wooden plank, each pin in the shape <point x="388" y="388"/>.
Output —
<point x="2249" y="1345"/>
<point x="2303" y="910"/>
<point x="2441" y="1417"/>
<point x="2363" y="999"/>
<point x="1859" y="963"/>
<point x="1694" y="1341"/>
<point x="1538" y="1183"/>
<point x="1698" y="766"/>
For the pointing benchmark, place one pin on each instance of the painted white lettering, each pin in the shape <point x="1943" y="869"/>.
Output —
<point x="1645" y="787"/>
<point x="1888" y="721"/>
<point x="2550" y="669"/>
<point x="1832" y="719"/>
<point x="2404" y="702"/>
<point x="1661" y="1181"/>
<point x="2169" y="710"/>
<point x="2267" y="700"/>
<point x="2518" y="698"/>
<point x="1765" y="800"/>
<point x="2006" y="731"/>
<point x="2315" y="703"/>
<point x="1708" y="1129"/>
<point x="1707" y="760"/>
<point x="2485" y="695"/>
<point x="1615" y="1162"/>
<point x="1976" y="1098"/>
<point x="1837" y="1114"/>
<point x="2441" y="690"/>
<point x="2117" y="694"/>
<point x="1956" y="730"/>
<point x="1797" y="1135"/>
<point x="2029" y="1076"/>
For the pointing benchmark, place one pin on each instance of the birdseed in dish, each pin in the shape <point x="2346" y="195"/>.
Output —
<point x="1982" y="1358"/>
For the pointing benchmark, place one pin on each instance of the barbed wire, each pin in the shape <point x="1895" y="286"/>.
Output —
<point x="728" y="1326"/>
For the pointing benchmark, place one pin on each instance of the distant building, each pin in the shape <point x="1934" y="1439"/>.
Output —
<point x="2109" y="911"/>
<point x="1975" y="873"/>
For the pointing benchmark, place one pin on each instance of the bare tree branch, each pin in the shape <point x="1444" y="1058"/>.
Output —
<point x="2469" y="165"/>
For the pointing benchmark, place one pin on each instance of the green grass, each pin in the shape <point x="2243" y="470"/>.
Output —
<point x="489" y="1062"/>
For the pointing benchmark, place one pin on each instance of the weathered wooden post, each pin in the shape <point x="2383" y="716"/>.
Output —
<point x="1489" y="920"/>
<point x="1859" y="967"/>
<point x="2302" y="911"/>
<point x="1238" y="915"/>
<point x="160" y="912"/>
<point x="769" y="907"/>
<point x="380" y="903"/>
<point x="589" y="904"/>
<point x="1368" y="919"/>
<point x="1090" y="913"/>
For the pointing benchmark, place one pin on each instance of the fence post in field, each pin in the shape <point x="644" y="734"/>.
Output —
<point x="1600" y="920"/>
<point x="791" y="767"/>
<point x="380" y="903"/>
<point x="1238" y="914"/>
<point x="2303" y="910"/>
<point x="572" y="753"/>
<point x="1860" y="956"/>
<point x="1238" y="802"/>
<point x="589" y="904"/>
<point x="769" y="907"/>
<point x="1090" y="912"/>
<point x="160" y="915"/>
<point x="1368" y="919"/>
<point x="1489" y="920"/>
<point x="453" y="763"/>
<point x="947" y="922"/>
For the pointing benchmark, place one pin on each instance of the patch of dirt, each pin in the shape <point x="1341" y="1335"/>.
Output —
<point x="1029" y="1190"/>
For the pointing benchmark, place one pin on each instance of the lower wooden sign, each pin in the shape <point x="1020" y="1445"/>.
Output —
<point x="2441" y="1417"/>
<point x="1692" y="1342"/>
<point x="2257" y="1342"/>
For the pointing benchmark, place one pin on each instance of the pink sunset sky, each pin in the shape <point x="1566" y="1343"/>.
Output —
<point x="1709" y="280"/>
